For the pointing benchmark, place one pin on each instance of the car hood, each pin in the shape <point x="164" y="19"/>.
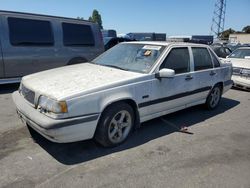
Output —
<point x="64" y="82"/>
<point x="241" y="63"/>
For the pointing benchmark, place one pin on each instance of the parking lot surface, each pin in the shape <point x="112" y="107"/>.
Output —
<point x="215" y="153"/>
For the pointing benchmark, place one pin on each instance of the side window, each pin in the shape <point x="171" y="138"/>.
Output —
<point x="215" y="60"/>
<point x="178" y="59"/>
<point x="202" y="59"/>
<point x="77" y="35"/>
<point x="27" y="32"/>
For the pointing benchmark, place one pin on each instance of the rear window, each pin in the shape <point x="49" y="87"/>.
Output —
<point x="25" y="32"/>
<point x="77" y="35"/>
<point x="202" y="59"/>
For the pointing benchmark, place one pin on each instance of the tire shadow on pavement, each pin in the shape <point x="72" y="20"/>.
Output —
<point x="79" y="152"/>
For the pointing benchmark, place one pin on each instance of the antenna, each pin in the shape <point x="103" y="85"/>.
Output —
<point x="218" y="20"/>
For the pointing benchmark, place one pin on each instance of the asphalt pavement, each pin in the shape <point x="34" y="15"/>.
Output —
<point x="214" y="153"/>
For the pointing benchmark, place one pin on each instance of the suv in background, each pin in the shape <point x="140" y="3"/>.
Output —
<point x="31" y="43"/>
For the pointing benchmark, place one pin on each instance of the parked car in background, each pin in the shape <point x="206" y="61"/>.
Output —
<point x="110" y="42"/>
<point x="221" y="51"/>
<point x="147" y="36"/>
<point x="240" y="60"/>
<point x="129" y="84"/>
<point x="30" y="43"/>
<point x="233" y="46"/>
<point x="108" y="33"/>
<point x="202" y="39"/>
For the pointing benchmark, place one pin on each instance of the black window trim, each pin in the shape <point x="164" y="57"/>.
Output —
<point x="51" y="44"/>
<point x="215" y="56"/>
<point x="167" y="53"/>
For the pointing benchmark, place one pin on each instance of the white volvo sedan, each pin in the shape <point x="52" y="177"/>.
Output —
<point x="240" y="59"/>
<point x="125" y="86"/>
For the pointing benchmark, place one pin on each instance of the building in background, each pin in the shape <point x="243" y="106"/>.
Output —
<point x="242" y="38"/>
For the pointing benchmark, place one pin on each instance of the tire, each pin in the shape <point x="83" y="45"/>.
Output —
<point x="115" y="125"/>
<point x="214" y="98"/>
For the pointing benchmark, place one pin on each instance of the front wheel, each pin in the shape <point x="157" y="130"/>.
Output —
<point x="214" y="97"/>
<point x="115" y="125"/>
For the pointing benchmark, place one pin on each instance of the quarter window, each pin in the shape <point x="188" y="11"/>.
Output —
<point x="202" y="59"/>
<point x="215" y="60"/>
<point x="27" y="32"/>
<point x="77" y="35"/>
<point x="178" y="59"/>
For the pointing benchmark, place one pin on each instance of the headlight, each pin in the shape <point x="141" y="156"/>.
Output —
<point x="49" y="105"/>
<point x="236" y="70"/>
<point x="245" y="72"/>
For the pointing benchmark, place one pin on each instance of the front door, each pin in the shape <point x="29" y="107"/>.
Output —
<point x="171" y="94"/>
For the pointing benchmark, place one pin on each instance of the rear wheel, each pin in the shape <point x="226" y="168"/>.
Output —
<point x="214" y="97"/>
<point x="115" y="125"/>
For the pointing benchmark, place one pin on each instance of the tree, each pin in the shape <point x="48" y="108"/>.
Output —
<point x="79" y="18"/>
<point x="97" y="18"/>
<point x="90" y="19"/>
<point x="246" y="29"/>
<point x="225" y="34"/>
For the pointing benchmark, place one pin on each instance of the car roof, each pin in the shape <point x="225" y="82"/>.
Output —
<point x="15" y="13"/>
<point x="164" y="43"/>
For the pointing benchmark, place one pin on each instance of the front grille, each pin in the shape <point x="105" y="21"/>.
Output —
<point x="28" y="94"/>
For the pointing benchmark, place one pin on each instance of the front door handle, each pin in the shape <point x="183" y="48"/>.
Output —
<point x="189" y="77"/>
<point x="212" y="73"/>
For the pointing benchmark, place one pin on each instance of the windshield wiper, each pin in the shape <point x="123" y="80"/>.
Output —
<point x="113" y="66"/>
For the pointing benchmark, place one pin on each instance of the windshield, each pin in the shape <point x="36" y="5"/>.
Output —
<point x="240" y="53"/>
<point x="131" y="57"/>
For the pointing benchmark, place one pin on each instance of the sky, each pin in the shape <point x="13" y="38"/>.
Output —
<point x="173" y="17"/>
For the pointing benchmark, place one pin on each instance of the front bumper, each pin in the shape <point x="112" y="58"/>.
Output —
<point x="241" y="82"/>
<point x="56" y="130"/>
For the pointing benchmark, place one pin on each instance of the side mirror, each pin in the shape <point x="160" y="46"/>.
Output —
<point x="165" y="73"/>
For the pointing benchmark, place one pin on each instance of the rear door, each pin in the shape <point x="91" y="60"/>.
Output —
<point x="204" y="73"/>
<point x="28" y="46"/>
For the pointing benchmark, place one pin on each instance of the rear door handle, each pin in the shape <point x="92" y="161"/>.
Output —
<point x="212" y="73"/>
<point x="189" y="77"/>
